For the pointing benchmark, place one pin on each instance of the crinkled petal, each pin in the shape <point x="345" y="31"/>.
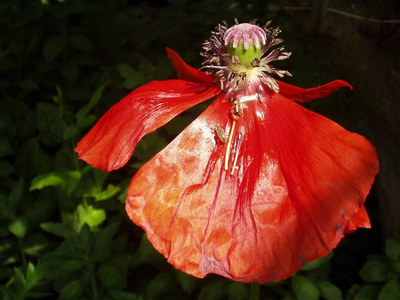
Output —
<point x="304" y="95"/>
<point x="110" y="143"/>
<point x="186" y="72"/>
<point x="295" y="189"/>
<point x="360" y="219"/>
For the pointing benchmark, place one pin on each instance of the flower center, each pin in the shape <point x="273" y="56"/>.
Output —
<point x="245" y="41"/>
<point x="235" y="56"/>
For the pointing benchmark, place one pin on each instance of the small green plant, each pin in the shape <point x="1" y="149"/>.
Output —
<point x="381" y="274"/>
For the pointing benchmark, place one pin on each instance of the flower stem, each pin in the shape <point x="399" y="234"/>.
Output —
<point x="254" y="291"/>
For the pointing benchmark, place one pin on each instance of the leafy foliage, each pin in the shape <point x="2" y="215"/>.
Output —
<point x="64" y="232"/>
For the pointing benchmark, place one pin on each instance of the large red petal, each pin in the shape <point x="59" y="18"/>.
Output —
<point x="299" y="184"/>
<point x="186" y="72"/>
<point x="110" y="143"/>
<point x="304" y="95"/>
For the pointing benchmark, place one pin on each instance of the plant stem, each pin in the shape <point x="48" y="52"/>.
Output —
<point x="254" y="291"/>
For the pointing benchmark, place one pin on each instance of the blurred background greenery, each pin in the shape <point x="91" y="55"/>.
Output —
<point x="63" y="228"/>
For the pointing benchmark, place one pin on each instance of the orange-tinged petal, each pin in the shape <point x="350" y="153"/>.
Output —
<point x="294" y="185"/>
<point x="360" y="219"/>
<point x="110" y="143"/>
<point x="186" y="72"/>
<point x="304" y="95"/>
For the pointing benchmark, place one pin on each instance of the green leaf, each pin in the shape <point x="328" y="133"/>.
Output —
<point x="6" y="169"/>
<point x="70" y="71"/>
<point x="18" y="227"/>
<point x="329" y="291"/>
<point x="67" y="180"/>
<point x="132" y="78"/>
<point x="187" y="282"/>
<point x="73" y="289"/>
<point x="376" y="269"/>
<point x="111" y="191"/>
<point x="390" y="291"/>
<point x="237" y="291"/>
<point x="159" y="285"/>
<point x="72" y="265"/>
<point x="80" y="43"/>
<point x="318" y="263"/>
<point x="34" y="275"/>
<point x="34" y="243"/>
<point x="111" y="276"/>
<point x="392" y="250"/>
<point x="59" y="97"/>
<point x="15" y="197"/>
<point x="368" y="292"/>
<point x="5" y="148"/>
<point x="305" y="288"/>
<point x="214" y="291"/>
<point x="49" y="124"/>
<point x="70" y="131"/>
<point x="82" y="120"/>
<point x="121" y="295"/>
<point x="28" y="84"/>
<point x="87" y="214"/>
<point x="53" y="47"/>
<point x="19" y="278"/>
<point x="103" y="242"/>
<point x="58" y="229"/>
<point x="146" y="253"/>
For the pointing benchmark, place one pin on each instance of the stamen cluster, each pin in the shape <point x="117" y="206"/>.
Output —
<point x="234" y="76"/>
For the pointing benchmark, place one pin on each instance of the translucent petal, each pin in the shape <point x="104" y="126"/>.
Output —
<point x="299" y="184"/>
<point x="110" y="143"/>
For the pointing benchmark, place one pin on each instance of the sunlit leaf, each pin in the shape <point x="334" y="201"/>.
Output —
<point x="67" y="180"/>
<point x="111" y="191"/>
<point x="18" y="227"/>
<point x="87" y="214"/>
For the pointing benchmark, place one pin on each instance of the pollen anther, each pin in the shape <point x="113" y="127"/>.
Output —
<point x="238" y="144"/>
<point x="228" y="146"/>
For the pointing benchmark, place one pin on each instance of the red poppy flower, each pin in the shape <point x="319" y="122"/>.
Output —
<point x="257" y="185"/>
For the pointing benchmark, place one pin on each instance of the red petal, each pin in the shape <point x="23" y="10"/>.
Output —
<point x="360" y="219"/>
<point x="304" y="95"/>
<point x="186" y="72"/>
<point x="300" y="183"/>
<point x="110" y="143"/>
